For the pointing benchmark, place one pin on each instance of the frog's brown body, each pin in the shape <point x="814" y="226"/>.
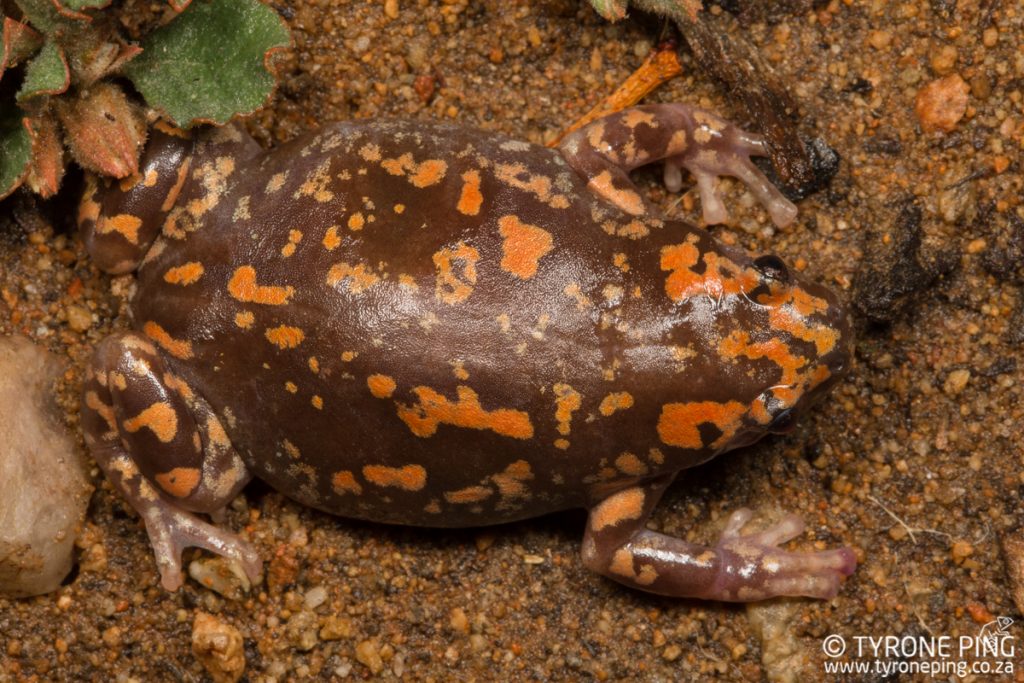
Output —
<point x="422" y="324"/>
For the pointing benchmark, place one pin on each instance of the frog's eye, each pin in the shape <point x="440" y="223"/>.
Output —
<point x="783" y="422"/>
<point x="772" y="268"/>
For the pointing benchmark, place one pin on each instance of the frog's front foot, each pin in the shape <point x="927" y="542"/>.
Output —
<point x="728" y="154"/>
<point x="171" y="531"/>
<point x="604" y="151"/>
<point x="753" y="567"/>
<point x="739" y="568"/>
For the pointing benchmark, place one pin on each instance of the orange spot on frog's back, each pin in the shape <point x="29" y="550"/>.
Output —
<point x="360" y="276"/>
<point x="284" y="336"/>
<point x="567" y="401"/>
<point x="331" y="239"/>
<point x="523" y="247"/>
<point x="245" y="319"/>
<point x="179" y="482"/>
<point x="470" y="494"/>
<point x="186" y="274"/>
<point x="435" y="409"/>
<point x="451" y="285"/>
<point x="423" y="174"/>
<point x="243" y="287"/>
<point x="621" y="400"/>
<point x="620" y="507"/>
<point x="381" y="386"/>
<point x="178" y="348"/>
<point x="630" y="464"/>
<point x="407" y="478"/>
<point x="344" y="482"/>
<point x="679" y="422"/>
<point x="510" y="482"/>
<point x="429" y="173"/>
<point x="683" y="281"/>
<point x="471" y="198"/>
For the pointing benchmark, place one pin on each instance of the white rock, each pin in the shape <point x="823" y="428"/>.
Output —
<point x="43" y="486"/>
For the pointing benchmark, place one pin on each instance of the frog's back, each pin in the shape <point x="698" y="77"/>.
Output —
<point x="419" y="323"/>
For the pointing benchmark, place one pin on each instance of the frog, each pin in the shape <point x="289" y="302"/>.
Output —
<point x="424" y="323"/>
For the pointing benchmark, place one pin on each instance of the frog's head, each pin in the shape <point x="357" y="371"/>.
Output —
<point x="764" y="343"/>
<point x="120" y="219"/>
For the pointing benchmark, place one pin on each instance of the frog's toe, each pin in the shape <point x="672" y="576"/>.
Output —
<point x="788" y="528"/>
<point x="814" y="574"/>
<point x="737" y="520"/>
<point x="170" y="534"/>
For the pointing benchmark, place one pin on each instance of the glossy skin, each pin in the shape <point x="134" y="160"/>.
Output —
<point x="422" y="324"/>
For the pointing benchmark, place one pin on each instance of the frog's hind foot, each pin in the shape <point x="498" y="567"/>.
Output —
<point x="738" y="568"/>
<point x="171" y="531"/>
<point x="754" y="567"/>
<point x="163" y="447"/>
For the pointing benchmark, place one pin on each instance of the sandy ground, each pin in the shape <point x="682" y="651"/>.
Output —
<point x="915" y="460"/>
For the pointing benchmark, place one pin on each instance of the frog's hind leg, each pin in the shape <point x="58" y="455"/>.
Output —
<point x="604" y="152"/>
<point x="738" y="567"/>
<point x="164" y="449"/>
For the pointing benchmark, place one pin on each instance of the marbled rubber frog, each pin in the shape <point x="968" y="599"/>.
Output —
<point x="421" y="323"/>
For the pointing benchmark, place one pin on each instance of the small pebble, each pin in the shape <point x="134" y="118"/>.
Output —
<point x="943" y="60"/>
<point x="218" y="647"/>
<point x="961" y="550"/>
<point x="79" y="318"/>
<point x="315" y="597"/>
<point x="368" y="654"/>
<point x="956" y="381"/>
<point x="671" y="653"/>
<point x="301" y="631"/>
<point x="336" y="628"/>
<point x="458" y="621"/>
<point x="221" y="575"/>
<point x="942" y="103"/>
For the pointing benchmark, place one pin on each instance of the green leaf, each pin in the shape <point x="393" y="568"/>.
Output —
<point x="612" y="10"/>
<point x="209" y="64"/>
<point x="15" y="149"/>
<point x="42" y="14"/>
<point x="47" y="74"/>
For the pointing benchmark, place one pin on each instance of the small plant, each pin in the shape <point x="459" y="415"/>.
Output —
<point x="59" y="96"/>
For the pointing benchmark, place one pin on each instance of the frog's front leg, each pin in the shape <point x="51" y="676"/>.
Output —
<point x="606" y="150"/>
<point x="165" y="450"/>
<point x="738" y="568"/>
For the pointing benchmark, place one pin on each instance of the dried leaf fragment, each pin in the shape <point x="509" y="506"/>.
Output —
<point x="104" y="131"/>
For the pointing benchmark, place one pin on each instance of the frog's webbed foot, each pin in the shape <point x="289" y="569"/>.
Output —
<point x="604" y="151"/>
<point x="738" y="568"/>
<point x="171" y="531"/>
